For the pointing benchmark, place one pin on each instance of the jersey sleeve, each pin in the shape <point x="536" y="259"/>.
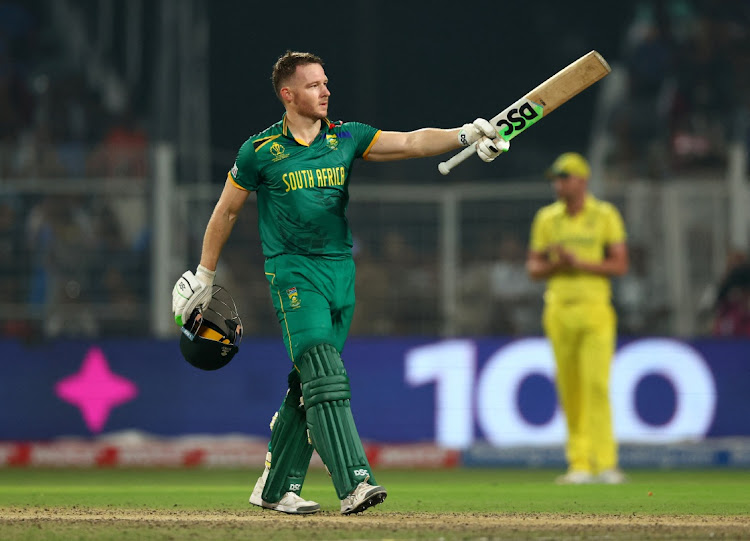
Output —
<point x="364" y="136"/>
<point x="615" y="229"/>
<point x="244" y="173"/>
<point x="539" y="241"/>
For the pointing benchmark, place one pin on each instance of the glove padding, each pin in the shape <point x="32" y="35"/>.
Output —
<point x="471" y="133"/>
<point x="190" y="292"/>
<point x="489" y="149"/>
<point x="488" y="144"/>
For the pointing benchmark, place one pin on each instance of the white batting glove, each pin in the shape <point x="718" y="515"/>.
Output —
<point x="471" y="133"/>
<point x="190" y="292"/>
<point x="489" y="149"/>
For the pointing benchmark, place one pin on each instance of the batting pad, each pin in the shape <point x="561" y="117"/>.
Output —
<point x="326" y="393"/>
<point x="289" y="448"/>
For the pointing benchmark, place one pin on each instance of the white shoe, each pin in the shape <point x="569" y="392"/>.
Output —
<point x="613" y="476"/>
<point x="363" y="497"/>
<point x="576" y="477"/>
<point x="290" y="502"/>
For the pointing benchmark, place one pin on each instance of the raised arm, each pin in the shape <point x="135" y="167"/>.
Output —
<point x="425" y="142"/>
<point x="393" y="145"/>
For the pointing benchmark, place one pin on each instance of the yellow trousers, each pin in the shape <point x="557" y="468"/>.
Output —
<point x="583" y="338"/>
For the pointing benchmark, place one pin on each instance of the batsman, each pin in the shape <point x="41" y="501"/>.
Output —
<point x="300" y="169"/>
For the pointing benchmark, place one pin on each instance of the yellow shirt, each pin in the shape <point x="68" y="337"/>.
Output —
<point x="587" y="234"/>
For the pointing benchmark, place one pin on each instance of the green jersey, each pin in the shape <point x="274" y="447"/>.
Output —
<point x="303" y="191"/>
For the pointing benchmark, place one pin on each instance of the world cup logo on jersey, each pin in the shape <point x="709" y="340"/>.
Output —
<point x="278" y="152"/>
<point x="293" y="297"/>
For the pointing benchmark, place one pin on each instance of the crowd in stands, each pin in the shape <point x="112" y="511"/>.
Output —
<point x="688" y="88"/>
<point x="727" y="302"/>
<point x="687" y="97"/>
<point x="64" y="258"/>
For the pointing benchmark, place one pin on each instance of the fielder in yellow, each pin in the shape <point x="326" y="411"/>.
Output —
<point x="577" y="245"/>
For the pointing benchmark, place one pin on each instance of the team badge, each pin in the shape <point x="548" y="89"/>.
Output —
<point x="278" y="152"/>
<point x="293" y="297"/>
<point x="332" y="141"/>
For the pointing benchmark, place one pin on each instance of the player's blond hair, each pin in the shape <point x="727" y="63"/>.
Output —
<point x="287" y="64"/>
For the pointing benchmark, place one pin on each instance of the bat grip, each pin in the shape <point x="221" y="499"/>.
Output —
<point x="445" y="167"/>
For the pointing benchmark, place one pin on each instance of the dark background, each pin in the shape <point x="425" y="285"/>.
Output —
<point x="394" y="65"/>
<point x="408" y="65"/>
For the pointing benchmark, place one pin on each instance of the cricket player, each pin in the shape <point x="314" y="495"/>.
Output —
<point x="577" y="245"/>
<point x="300" y="168"/>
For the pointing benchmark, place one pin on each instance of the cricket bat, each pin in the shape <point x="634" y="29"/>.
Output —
<point x="548" y="96"/>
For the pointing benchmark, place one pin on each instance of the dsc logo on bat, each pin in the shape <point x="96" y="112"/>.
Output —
<point x="517" y="119"/>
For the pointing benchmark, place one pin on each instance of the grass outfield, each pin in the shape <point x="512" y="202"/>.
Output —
<point x="447" y="504"/>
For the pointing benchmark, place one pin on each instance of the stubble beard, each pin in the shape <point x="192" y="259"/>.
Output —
<point x="312" y="112"/>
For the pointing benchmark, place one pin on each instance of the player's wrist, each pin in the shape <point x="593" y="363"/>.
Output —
<point x="205" y="275"/>
<point x="467" y="134"/>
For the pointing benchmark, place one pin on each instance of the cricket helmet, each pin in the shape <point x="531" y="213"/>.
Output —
<point x="212" y="336"/>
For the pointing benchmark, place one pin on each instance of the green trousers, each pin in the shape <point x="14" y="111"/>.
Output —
<point x="313" y="298"/>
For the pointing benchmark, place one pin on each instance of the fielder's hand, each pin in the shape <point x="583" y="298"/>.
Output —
<point x="191" y="291"/>
<point x="488" y="144"/>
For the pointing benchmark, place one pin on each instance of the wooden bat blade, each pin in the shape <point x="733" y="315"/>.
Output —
<point x="545" y="98"/>
<point x="569" y="81"/>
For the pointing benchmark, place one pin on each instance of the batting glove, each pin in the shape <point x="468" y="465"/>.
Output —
<point x="190" y="292"/>
<point x="471" y="133"/>
<point x="489" y="149"/>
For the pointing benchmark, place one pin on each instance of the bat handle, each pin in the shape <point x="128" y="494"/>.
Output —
<point x="445" y="167"/>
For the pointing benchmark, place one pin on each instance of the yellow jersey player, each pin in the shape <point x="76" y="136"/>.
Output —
<point x="577" y="245"/>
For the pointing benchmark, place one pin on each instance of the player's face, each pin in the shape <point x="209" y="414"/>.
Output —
<point x="569" y="187"/>
<point x="310" y="92"/>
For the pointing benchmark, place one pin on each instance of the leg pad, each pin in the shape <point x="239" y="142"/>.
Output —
<point x="326" y="393"/>
<point x="289" y="448"/>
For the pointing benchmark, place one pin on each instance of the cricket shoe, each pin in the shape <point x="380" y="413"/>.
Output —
<point x="576" y="477"/>
<point x="612" y="476"/>
<point x="290" y="502"/>
<point x="363" y="497"/>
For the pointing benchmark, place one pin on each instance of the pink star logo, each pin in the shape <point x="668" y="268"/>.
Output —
<point x="95" y="390"/>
